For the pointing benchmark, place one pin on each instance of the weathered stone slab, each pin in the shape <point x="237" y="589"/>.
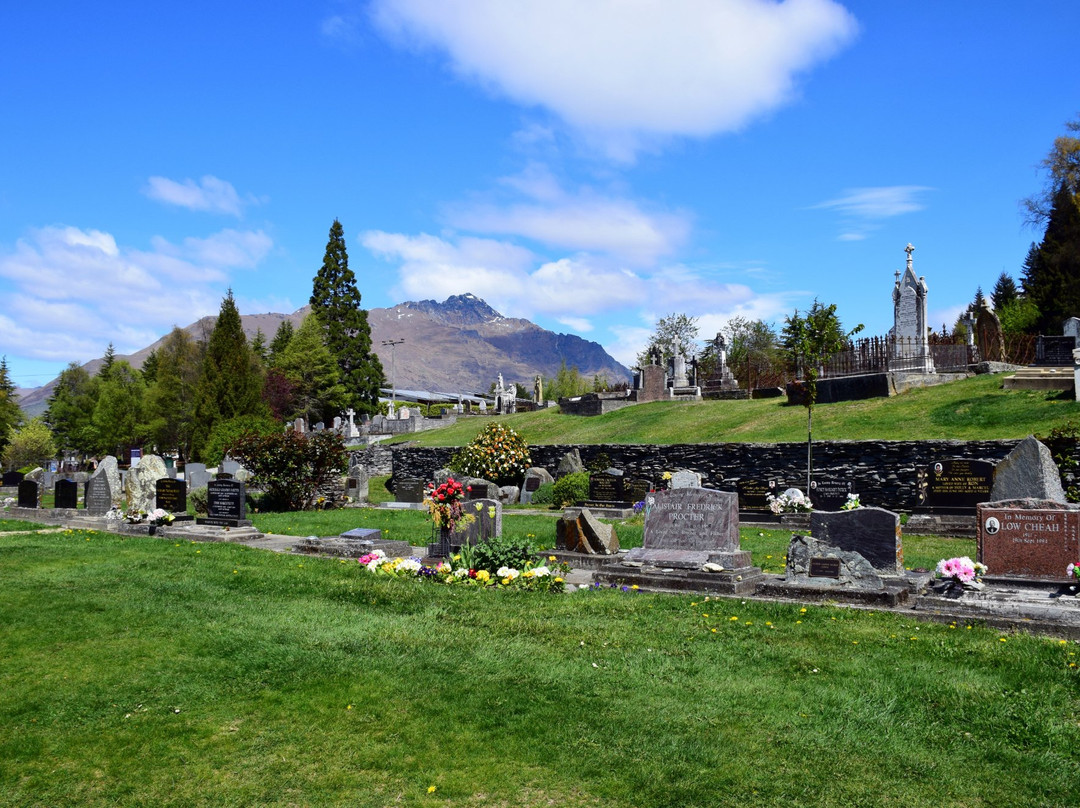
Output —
<point x="570" y="464"/>
<point x="685" y="479"/>
<point x="873" y="533"/>
<point x="578" y="531"/>
<point x="140" y="485"/>
<point x="1028" y="538"/>
<point x="689" y="527"/>
<point x="534" y="478"/>
<point x="1029" y="472"/>
<point x="107" y="467"/>
<point x="196" y="475"/>
<point x="811" y="562"/>
<point x="486" y="522"/>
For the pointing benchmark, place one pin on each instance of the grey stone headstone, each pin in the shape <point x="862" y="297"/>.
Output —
<point x="98" y="499"/>
<point x="685" y="479"/>
<point x="229" y="466"/>
<point x="196" y="475"/>
<point x="409" y="489"/>
<point x="873" y="533"/>
<point x="109" y="469"/>
<point x="508" y="494"/>
<point x="486" y="522"/>
<point x="141" y="483"/>
<point x="1071" y="328"/>
<point x="534" y="478"/>
<point x="479" y="488"/>
<point x="1029" y="472"/>
<point x="688" y="527"/>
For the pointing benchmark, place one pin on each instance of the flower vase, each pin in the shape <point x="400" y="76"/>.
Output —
<point x="153" y="530"/>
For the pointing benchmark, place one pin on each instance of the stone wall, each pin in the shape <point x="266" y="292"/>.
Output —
<point x="883" y="473"/>
<point x="376" y="459"/>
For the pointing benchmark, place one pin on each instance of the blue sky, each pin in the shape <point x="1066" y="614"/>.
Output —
<point x="589" y="164"/>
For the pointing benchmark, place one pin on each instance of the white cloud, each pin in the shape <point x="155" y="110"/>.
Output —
<point x="70" y="292"/>
<point x="626" y="71"/>
<point x="877" y="203"/>
<point x="208" y="194"/>
<point x="578" y="325"/>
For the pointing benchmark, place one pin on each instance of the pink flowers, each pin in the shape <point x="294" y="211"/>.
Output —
<point x="962" y="569"/>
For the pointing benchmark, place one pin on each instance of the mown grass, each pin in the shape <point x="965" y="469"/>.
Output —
<point x="141" y="671"/>
<point x="21" y="525"/>
<point x="970" y="409"/>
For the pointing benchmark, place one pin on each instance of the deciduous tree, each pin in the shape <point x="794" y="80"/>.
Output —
<point x="29" y="445"/>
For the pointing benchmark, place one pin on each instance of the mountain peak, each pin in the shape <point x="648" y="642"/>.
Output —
<point x="460" y="310"/>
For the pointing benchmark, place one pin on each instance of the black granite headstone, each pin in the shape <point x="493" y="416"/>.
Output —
<point x="12" y="478"/>
<point x="28" y="494"/>
<point x="607" y="487"/>
<point x="409" y="489"/>
<point x="66" y="494"/>
<point x="753" y="494"/>
<point x="171" y="495"/>
<point x="873" y="533"/>
<point x="955" y="485"/>
<point x="638" y="488"/>
<point x="225" y="505"/>
<point x="829" y="493"/>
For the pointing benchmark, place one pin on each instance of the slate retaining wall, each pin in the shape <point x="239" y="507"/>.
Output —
<point x="883" y="473"/>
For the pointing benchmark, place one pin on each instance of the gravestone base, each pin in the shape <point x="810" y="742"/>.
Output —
<point x="578" y="561"/>
<point x="737" y="560"/>
<point x="887" y="595"/>
<point x="353" y="544"/>
<point x="1039" y="606"/>
<point x="667" y="579"/>
<point x="609" y="510"/>
<point x="219" y="521"/>
<point x="941" y="524"/>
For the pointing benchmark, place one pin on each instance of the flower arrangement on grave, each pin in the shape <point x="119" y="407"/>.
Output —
<point x="961" y="570"/>
<point x="498" y="454"/>
<point x="133" y="517"/>
<point x="446" y="504"/>
<point x="160" y="516"/>
<point x="1073" y="571"/>
<point x="852" y="503"/>
<point x="544" y="577"/>
<point x="791" y="501"/>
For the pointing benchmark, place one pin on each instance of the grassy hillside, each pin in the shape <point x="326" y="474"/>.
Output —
<point x="971" y="409"/>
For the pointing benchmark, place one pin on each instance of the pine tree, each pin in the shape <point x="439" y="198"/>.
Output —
<point x="230" y="384"/>
<point x="107" y="361"/>
<point x="118" y="413"/>
<point x="258" y="345"/>
<point x="1005" y="291"/>
<point x="336" y="301"/>
<point x="280" y="341"/>
<point x="979" y="301"/>
<point x="1052" y="276"/>
<point x="10" y="413"/>
<point x="170" y="400"/>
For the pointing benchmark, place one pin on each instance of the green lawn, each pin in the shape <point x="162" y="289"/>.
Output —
<point x="970" y="409"/>
<point x="141" y="671"/>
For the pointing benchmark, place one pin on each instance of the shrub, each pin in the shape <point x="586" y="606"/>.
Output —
<point x="499" y="552"/>
<point x="544" y="495"/>
<point x="199" y="499"/>
<point x="225" y="433"/>
<point x="571" y="488"/>
<point x="290" y="466"/>
<point x="498" y="454"/>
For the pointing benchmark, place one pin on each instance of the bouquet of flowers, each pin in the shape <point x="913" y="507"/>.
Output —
<point x="852" y="503"/>
<point x="961" y="570"/>
<point x="1073" y="571"/>
<point x="446" y="504"/>
<point x="160" y="516"/>
<point x="791" y="501"/>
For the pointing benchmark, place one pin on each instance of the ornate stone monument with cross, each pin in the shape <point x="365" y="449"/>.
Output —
<point x="911" y="350"/>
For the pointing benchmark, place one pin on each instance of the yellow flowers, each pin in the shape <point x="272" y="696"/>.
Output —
<point x="431" y="789"/>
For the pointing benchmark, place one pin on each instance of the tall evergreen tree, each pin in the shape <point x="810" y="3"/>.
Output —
<point x="70" y="413"/>
<point x="231" y="384"/>
<point x="979" y="301"/>
<point x="118" y="413"/>
<point x="280" y="341"/>
<point x="336" y="301"/>
<point x="10" y="413"/>
<point x="258" y="346"/>
<point x="1052" y="277"/>
<point x="107" y="361"/>
<point x="1004" y="292"/>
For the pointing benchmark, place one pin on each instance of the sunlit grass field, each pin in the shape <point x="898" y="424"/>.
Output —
<point x="970" y="409"/>
<point x="141" y="671"/>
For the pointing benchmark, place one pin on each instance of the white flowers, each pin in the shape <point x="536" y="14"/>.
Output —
<point x="792" y="500"/>
<point x="507" y="573"/>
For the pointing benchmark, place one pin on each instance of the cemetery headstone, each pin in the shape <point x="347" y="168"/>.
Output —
<point x="534" y="478"/>
<point x="817" y="563"/>
<point x="1071" y="328"/>
<point x="570" y="464"/>
<point x="141" y="483"/>
<point x="1029" y="472"/>
<point x="108" y="467"/>
<point x="873" y="533"/>
<point x="639" y="488"/>
<point x="171" y="495"/>
<point x="829" y="493"/>
<point x="225" y="504"/>
<point x="479" y="488"/>
<point x="28" y="494"/>
<point x="909" y="321"/>
<point x="988" y="335"/>
<point x="230" y="467"/>
<point x="753" y="496"/>
<point x="196" y="475"/>
<point x="689" y="527"/>
<point x="606" y="488"/>
<point x="1028" y="538"/>
<point x="409" y="489"/>
<point x="685" y="479"/>
<point x="653" y="384"/>
<point x="98" y="499"/>
<point x="357" y="485"/>
<point x="955" y="486"/>
<point x="12" y="478"/>
<point x="66" y="494"/>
